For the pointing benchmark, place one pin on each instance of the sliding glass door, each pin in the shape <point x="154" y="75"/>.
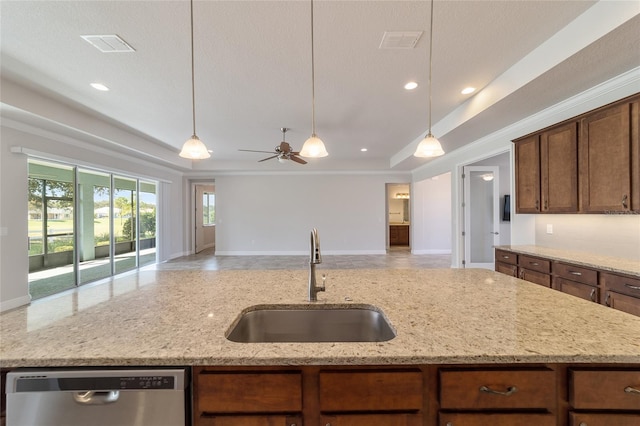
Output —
<point x="83" y="226"/>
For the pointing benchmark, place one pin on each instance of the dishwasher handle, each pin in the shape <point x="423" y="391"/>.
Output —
<point x="96" y="397"/>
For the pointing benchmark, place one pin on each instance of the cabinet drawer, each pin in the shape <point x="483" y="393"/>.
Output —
<point x="620" y="284"/>
<point x="535" y="277"/>
<point x="489" y="419"/>
<point x="593" y="419"/>
<point x="370" y="391"/>
<point x="573" y="288"/>
<point x="601" y="389"/>
<point x="399" y="419"/>
<point x="535" y="264"/>
<point x="497" y="389"/>
<point x="506" y="257"/>
<point x="576" y="273"/>
<point x="249" y="393"/>
<point x="265" y="420"/>
<point x="506" y="268"/>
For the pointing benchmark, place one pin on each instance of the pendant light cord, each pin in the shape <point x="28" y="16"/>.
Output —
<point x="313" y="79"/>
<point x="430" y="56"/>
<point x="193" y="84"/>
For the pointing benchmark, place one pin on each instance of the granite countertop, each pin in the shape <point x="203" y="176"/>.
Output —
<point x="440" y="315"/>
<point x="605" y="263"/>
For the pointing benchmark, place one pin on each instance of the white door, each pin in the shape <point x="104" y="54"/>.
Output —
<point x="481" y="215"/>
<point x="204" y="229"/>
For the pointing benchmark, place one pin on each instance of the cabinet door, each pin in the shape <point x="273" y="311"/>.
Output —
<point x="527" y="159"/>
<point x="559" y="169"/>
<point x="577" y="289"/>
<point x="506" y="268"/>
<point x="605" y="160"/>
<point x="602" y="419"/>
<point x="489" y="419"/>
<point x="621" y="302"/>
<point x="401" y="419"/>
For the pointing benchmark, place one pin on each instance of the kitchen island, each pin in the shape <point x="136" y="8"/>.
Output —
<point x="472" y="347"/>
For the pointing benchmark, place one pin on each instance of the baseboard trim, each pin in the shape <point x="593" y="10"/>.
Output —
<point x="15" y="303"/>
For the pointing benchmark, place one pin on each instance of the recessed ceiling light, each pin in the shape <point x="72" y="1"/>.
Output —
<point x="468" y="90"/>
<point x="363" y="149"/>
<point x="100" y="86"/>
<point x="411" y="85"/>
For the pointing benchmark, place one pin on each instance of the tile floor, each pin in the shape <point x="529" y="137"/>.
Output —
<point x="396" y="258"/>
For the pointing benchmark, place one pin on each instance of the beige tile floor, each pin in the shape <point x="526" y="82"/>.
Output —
<point x="396" y="258"/>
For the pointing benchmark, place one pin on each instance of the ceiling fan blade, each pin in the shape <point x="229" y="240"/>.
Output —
<point x="268" y="158"/>
<point x="297" y="159"/>
<point x="251" y="150"/>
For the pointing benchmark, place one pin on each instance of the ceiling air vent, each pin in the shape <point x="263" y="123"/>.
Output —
<point x="400" y="39"/>
<point x="108" y="43"/>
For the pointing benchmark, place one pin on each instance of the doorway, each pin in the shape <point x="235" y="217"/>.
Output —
<point x="481" y="215"/>
<point x="204" y="217"/>
<point x="398" y="216"/>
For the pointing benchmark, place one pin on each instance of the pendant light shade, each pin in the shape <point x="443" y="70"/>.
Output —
<point x="313" y="147"/>
<point x="194" y="149"/>
<point x="429" y="146"/>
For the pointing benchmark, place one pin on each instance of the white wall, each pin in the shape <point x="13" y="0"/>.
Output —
<point x="431" y="221"/>
<point x="14" y="210"/>
<point x="274" y="214"/>
<point x="607" y="235"/>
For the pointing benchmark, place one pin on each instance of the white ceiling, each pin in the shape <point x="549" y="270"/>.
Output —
<point x="253" y="69"/>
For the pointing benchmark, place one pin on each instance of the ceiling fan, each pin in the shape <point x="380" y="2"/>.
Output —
<point x="282" y="152"/>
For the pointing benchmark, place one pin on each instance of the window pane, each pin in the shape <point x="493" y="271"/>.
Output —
<point x="124" y="224"/>
<point x="209" y="208"/>
<point x="147" y="223"/>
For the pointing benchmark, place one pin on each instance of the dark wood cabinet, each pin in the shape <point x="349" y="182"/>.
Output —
<point x="617" y="291"/>
<point x="588" y="164"/>
<point x="535" y="270"/>
<point x="559" y="169"/>
<point x="418" y="395"/>
<point x="527" y="159"/>
<point x="608" y="159"/>
<point x="399" y="235"/>
<point x="576" y="280"/>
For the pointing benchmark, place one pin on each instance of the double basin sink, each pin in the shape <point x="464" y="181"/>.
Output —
<point x="311" y="323"/>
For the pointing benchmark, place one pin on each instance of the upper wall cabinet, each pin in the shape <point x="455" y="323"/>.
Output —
<point x="609" y="159"/>
<point x="547" y="171"/>
<point x="589" y="164"/>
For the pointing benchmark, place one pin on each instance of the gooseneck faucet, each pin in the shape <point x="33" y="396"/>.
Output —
<point x="314" y="259"/>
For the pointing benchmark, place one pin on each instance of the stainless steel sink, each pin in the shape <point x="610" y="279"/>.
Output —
<point x="311" y="323"/>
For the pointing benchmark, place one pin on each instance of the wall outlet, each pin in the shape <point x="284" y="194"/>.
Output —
<point x="549" y="228"/>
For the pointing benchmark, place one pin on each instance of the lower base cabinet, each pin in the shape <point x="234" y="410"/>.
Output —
<point x="481" y="419"/>
<point x="418" y="395"/>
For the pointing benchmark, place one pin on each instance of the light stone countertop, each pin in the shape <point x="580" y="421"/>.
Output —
<point x="440" y="315"/>
<point x="606" y="263"/>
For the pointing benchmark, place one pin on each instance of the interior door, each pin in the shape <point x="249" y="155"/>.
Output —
<point x="481" y="215"/>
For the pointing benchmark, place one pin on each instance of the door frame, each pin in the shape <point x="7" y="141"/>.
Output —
<point x="467" y="212"/>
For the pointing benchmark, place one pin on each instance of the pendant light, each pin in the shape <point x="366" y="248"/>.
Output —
<point x="429" y="146"/>
<point x="194" y="148"/>
<point x="313" y="147"/>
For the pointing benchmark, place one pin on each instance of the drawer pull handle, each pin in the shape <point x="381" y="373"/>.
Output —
<point x="534" y="263"/>
<point x="606" y="299"/>
<point x="575" y="273"/>
<point x="624" y="201"/>
<point x="629" y="389"/>
<point x="505" y="257"/>
<point x="592" y="295"/>
<point x="510" y="390"/>
<point x="633" y="287"/>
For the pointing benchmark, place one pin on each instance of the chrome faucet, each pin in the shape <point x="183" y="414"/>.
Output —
<point x="315" y="258"/>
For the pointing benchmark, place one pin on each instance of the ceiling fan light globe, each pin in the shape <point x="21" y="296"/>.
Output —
<point x="429" y="147"/>
<point x="194" y="149"/>
<point x="313" y="148"/>
<point x="282" y="160"/>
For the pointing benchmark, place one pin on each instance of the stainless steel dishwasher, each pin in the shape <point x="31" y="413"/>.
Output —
<point x="98" y="397"/>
